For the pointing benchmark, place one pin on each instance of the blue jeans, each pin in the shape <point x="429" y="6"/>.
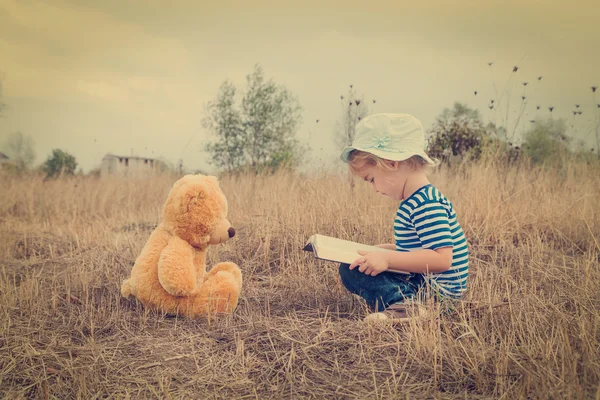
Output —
<point x="382" y="290"/>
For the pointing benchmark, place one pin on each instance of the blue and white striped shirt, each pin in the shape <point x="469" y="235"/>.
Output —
<point x="426" y="220"/>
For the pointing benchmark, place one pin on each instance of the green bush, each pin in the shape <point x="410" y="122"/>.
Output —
<point x="457" y="133"/>
<point x="59" y="163"/>
<point x="547" y="142"/>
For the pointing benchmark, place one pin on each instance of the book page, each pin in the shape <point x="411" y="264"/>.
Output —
<point x="342" y="246"/>
<point x="339" y="250"/>
<point x="331" y="254"/>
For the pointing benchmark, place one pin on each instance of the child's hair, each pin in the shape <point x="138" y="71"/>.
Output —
<point x="358" y="159"/>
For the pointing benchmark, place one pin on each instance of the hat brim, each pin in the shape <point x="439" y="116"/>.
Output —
<point x="388" y="155"/>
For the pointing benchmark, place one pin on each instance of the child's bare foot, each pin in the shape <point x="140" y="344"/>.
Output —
<point x="397" y="313"/>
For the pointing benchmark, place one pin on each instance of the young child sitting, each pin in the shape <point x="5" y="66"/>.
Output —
<point x="388" y="153"/>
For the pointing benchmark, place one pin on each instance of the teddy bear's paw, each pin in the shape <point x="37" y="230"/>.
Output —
<point x="219" y="294"/>
<point x="229" y="268"/>
<point x="126" y="289"/>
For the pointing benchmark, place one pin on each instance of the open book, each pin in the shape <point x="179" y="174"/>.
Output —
<point x="338" y="250"/>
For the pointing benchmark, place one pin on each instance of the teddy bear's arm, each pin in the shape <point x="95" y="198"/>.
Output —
<point x="176" y="271"/>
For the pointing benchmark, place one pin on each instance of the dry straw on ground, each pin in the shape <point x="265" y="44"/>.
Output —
<point x="528" y="327"/>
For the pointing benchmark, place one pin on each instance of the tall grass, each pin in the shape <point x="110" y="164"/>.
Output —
<point x="529" y="326"/>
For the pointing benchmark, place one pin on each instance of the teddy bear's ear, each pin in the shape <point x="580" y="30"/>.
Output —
<point x="177" y="185"/>
<point x="173" y="197"/>
<point x="211" y="181"/>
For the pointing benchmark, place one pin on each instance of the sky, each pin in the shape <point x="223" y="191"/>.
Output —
<point x="134" y="76"/>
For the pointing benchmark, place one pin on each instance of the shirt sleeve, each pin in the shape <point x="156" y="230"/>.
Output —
<point x="432" y="225"/>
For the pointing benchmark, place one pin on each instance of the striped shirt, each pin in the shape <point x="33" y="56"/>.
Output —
<point x="426" y="220"/>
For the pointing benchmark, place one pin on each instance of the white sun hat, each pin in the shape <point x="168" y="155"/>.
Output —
<point x="395" y="137"/>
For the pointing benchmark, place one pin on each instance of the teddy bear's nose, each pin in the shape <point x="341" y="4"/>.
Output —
<point x="231" y="232"/>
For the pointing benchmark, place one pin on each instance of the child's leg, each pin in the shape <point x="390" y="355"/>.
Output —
<point x="381" y="290"/>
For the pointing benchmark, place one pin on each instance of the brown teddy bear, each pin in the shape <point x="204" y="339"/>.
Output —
<point x="170" y="273"/>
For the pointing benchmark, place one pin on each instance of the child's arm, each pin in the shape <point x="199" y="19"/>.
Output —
<point x="421" y="261"/>
<point x="432" y="227"/>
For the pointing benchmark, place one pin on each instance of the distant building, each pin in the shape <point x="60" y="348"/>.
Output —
<point x="129" y="166"/>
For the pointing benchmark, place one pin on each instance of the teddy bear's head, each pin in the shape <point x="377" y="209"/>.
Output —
<point x="196" y="211"/>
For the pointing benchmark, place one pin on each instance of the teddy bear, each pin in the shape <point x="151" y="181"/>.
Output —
<point x="170" y="273"/>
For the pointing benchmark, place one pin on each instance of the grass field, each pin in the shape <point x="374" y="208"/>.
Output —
<point x="529" y="326"/>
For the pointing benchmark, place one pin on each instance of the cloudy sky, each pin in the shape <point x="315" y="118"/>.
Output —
<point x="124" y="76"/>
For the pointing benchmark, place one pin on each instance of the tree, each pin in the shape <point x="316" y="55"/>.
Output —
<point x="19" y="148"/>
<point x="353" y="110"/>
<point x="459" y="111"/>
<point x="164" y="166"/>
<point x="457" y="132"/>
<point x="260" y="133"/>
<point x="59" y="163"/>
<point x="547" y="141"/>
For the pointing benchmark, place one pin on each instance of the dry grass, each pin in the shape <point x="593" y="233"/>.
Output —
<point x="528" y="328"/>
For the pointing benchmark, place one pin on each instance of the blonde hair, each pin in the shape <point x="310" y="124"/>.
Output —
<point x="358" y="159"/>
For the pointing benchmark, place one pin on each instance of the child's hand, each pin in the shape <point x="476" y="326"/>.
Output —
<point x="371" y="263"/>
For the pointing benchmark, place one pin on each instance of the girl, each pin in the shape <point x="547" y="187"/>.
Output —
<point x="388" y="153"/>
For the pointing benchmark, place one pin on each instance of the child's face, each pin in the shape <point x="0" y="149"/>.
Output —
<point x="386" y="183"/>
